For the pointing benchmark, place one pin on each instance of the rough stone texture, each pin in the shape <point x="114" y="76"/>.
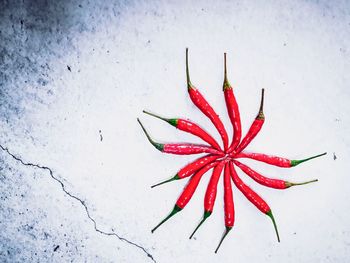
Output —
<point x="75" y="168"/>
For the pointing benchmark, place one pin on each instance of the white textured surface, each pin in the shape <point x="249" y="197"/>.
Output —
<point x="127" y="57"/>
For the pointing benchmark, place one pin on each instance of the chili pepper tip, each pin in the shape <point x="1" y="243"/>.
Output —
<point x="159" y="146"/>
<point x="261" y="109"/>
<point x="176" y="177"/>
<point x="289" y="184"/>
<point x="297" y="162"/>
<point x="205" y="216"/>
<point x="223" y="237"/>
<point x="274" y="224"/>
<point x="172" y="213"/>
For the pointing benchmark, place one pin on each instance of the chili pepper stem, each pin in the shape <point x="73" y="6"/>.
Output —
<point x="171" y="121"/>
<point x="205" y="216"/>
<point x="176" y="177"/>
<point x="297" y="162"/>
<point x="154" y="115"/>
<point x="189" y="84"/>
<point x="226" y="83"/>
<point x="261" y="109"/>
<point x="172" y="213"/>
<point x="289" y="184"/>
<point x="159" y="146"/>
<point x="223" y="237"/>
<point x="274" y="224"/>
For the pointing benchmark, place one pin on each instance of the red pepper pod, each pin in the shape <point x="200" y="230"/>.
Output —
<point x="274" y="160"/>
<point x="190" y="168"/>
<point x="210" y="195"/>
<point x="232" y="110"/>
<point x="180" y="148"/>
<point x="254" y="128"/>
<point x="193" y="128"/>
<point x="188" y="148"/>
<point x="189" y="127"/>
<point x="269" y="159"/>
<point x="273" y="183"/>
<point x="228" y="198"/>
<point x="229" y="205"/>
<point x="202" y="104"/>
<point x="191" y="187"/>
<point x="253" y="197"/>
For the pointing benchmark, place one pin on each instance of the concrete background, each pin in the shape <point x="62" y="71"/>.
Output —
<point x="76" y="170"/>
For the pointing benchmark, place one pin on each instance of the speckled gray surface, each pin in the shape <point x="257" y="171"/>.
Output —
<point x="75" y="169"/>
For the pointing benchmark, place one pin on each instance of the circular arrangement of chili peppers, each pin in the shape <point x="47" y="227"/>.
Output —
<point x="221" y="159"/>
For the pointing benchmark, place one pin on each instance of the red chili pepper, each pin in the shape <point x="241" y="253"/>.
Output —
<point x="229" y="205"/>
<point x="233" y="111"/>
<point x="187" y="193"/>
<point x="254" y="128"/>
<point x="210" y="194"/>
<point x="190" y="168"/>
<point x="190" y="127"/>
<point x="275" y="160"/>
<point x="272" y="183"/>
<point x="180" y="148"/>
<point x="253" y="197"/>
<point x="202" y="104"/>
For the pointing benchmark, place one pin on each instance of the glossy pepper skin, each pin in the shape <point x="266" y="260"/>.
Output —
<point x="272" y="183"/>
<point x="190" y="168"/>
<point x="202" y="104"/>
<point x="229" y="205"/>
<point x="254" y="128"/>
<point x="196" y="165"/>
<point x="253" y="197"/>
<point x="228" y="198"/>
<point x="180" y="148"/>
<point x="187" y="193"/>
<point x="232" y="110"/>
<point x="189" y="127"/>
<point x="210" y="194"/>
<point x="275" y="160"/>
<point x="186" y="148"/>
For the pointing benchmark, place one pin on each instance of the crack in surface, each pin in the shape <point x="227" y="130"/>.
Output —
<point x="80" y="201"/>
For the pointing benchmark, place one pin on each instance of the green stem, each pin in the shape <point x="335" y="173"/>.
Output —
<point x="176" y="177"/>
<point x="205" y="216"/>
<point x="154" y="115"/>
<point x="261" y="109"/>
<point x="170" y="121"/>
<point x="274" y="224"/>
<point x="223" y="237"/>
<point x="173" y="212"/>
<point x="226" y="83"/>
<point x="225" y="68"/>
<point x="189" y="84"/>
<point x="289" y="184"/>
<point x="159" y="146"/>
<point x="297" y="162"/>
